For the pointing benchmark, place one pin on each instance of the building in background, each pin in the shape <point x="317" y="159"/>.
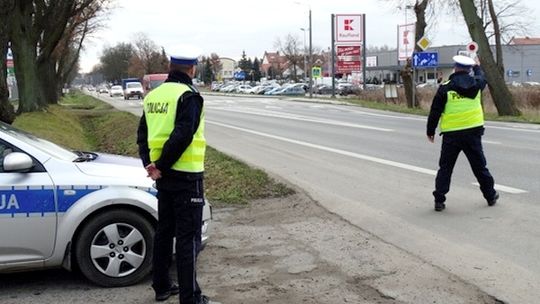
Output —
<point x="228" y="66"/>
<point x="520" y="62"/>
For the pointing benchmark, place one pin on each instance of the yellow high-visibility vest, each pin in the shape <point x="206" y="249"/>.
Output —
<point x="160" y="113"/>
<point x="461" y="112"/>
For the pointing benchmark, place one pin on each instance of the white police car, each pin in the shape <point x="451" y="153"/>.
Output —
<point x="57" y="207"/>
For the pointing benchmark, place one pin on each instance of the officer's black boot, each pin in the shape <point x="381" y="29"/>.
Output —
<point x="165" y="295"/>
<point x="439" y="206"/>
<point x="494" y="200"/>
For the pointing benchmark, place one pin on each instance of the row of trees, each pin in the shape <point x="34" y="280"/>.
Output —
<point x="142" y="56"/>
<point x="46" y="38"/>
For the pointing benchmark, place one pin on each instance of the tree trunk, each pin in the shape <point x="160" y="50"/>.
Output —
<point x="30" y="93"/>
<point x="24" y="47"/>
<point x="7" y="113"/>
<point x="48" y="80"/>
<point x="408" y="85"/>
<point x="499" y="91"/>
<point x="407" y="72"/>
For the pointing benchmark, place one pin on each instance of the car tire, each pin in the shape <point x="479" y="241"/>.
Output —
<point x="115" y="248"/>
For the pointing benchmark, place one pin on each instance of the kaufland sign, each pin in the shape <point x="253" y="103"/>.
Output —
<point x="349" y="28"/>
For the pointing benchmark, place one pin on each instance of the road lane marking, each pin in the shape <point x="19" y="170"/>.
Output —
<point x="356" y="155"/>
<point x="506" y="189"/>
<point x="303" y="118"/>
<point x="517" y="128"/>
<point x="491" y="142"/>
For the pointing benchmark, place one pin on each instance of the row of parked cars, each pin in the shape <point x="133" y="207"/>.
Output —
<point x="299" y="89"/>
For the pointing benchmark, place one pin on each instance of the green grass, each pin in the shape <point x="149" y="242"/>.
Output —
<point x="388" y="106"/>
<point x="82" y="122"/>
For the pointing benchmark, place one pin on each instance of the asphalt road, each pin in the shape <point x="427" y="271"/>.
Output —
<point x="376" y="169"/>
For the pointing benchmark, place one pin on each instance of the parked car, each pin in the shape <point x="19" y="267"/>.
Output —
<point x="58" y="207"/>
<point x="243" y="88"/>
<point x="116" y="91"/>
<point x="292" y="91"/>
<point x="273" y="91"/>
<point x="324" y="90"/>
<point x="348" y="89"/>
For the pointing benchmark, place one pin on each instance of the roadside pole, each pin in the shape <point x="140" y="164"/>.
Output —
<point x="364" y="52"/>
<point x="333" y="51"/>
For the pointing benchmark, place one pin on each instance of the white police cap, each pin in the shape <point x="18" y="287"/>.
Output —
<point x="186" y="55"/>
<point x="463" y="61"/>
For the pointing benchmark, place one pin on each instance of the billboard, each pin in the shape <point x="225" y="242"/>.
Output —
<point x="349" y="28"/>
<point x="349" y="59"/>
<point x="406" y="41"/>
<point x="371" y="61"/>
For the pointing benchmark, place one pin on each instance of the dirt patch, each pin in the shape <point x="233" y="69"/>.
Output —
<point x="291" y="250"/>
<point x="275" y="251"/>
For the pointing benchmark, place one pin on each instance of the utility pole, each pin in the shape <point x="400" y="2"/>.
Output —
<point x="310" y="57"/>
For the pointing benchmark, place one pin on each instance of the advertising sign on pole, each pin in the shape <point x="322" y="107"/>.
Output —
<point x="348" y="59"/>
<point x="349" y="28"/>
<point x="406" y="41"/>
<point x="371" y="61"/>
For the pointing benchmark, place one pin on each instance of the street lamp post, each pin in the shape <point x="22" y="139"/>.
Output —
<point x="310" y="57"/>
<point x="305" y="53"/>
<point x="310" y="63"/>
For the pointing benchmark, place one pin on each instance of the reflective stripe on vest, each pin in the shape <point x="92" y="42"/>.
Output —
<point x="160" y="107"/>
<point x="461" y="112"/>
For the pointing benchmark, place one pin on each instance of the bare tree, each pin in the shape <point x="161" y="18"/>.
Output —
<point x="148" y="58"/>
<point x="216" y="64"/>
<point x="499" y="91"/>
<point x="420" y="8"/>
<point x="37" y="27"/>
<point x="290" y="48"/>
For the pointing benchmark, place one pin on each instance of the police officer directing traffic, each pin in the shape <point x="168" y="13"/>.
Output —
<point x="458" y="106"/>
<point x="172" y="148"/>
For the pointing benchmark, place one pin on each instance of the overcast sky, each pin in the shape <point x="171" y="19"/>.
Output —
<point x="228" y="27"/>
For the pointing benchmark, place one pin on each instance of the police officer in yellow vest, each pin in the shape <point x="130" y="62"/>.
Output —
<point x="172" y="148"/>
<point x="458" y="106"/>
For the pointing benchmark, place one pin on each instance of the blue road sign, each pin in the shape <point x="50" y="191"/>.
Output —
<point x="425" y="60"/>
<point x="240" y="75"/>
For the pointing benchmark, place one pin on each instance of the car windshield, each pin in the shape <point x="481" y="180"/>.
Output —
<point x="116" y="88"/>
<point x="39" y="143"/>
<point x="134" y="85"/>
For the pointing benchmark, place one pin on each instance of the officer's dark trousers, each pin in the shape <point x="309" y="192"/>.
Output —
<point x="180" y="217"/>
<point x="471" y="144"/>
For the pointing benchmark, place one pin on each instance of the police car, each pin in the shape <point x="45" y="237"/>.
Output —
<point x="63" y="208"/>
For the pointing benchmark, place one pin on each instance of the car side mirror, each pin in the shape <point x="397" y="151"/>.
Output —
<point x="18" y="162"/>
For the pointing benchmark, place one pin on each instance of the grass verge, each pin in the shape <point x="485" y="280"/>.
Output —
<point x="83" y="122"/>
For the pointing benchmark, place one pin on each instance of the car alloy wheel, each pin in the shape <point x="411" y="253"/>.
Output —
<point x="114" y="248"/>
<point x="118" y="250"/>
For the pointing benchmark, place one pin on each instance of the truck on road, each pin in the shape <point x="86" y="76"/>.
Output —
<point x="132" y="88"/>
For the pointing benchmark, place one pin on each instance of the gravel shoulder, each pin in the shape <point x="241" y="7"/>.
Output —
<point x="284" y="250"/>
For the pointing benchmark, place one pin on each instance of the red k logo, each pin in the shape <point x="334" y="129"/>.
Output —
<point x="348" y="24"/>
<point x="405" y="37"/>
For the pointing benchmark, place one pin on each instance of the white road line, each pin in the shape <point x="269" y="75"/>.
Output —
<point x="514" y="129"/>
<point x="506" y="189"/>
<point x="491" y="142"/>
<point x="356" y="155"/>
<point x="296" y="117"/>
